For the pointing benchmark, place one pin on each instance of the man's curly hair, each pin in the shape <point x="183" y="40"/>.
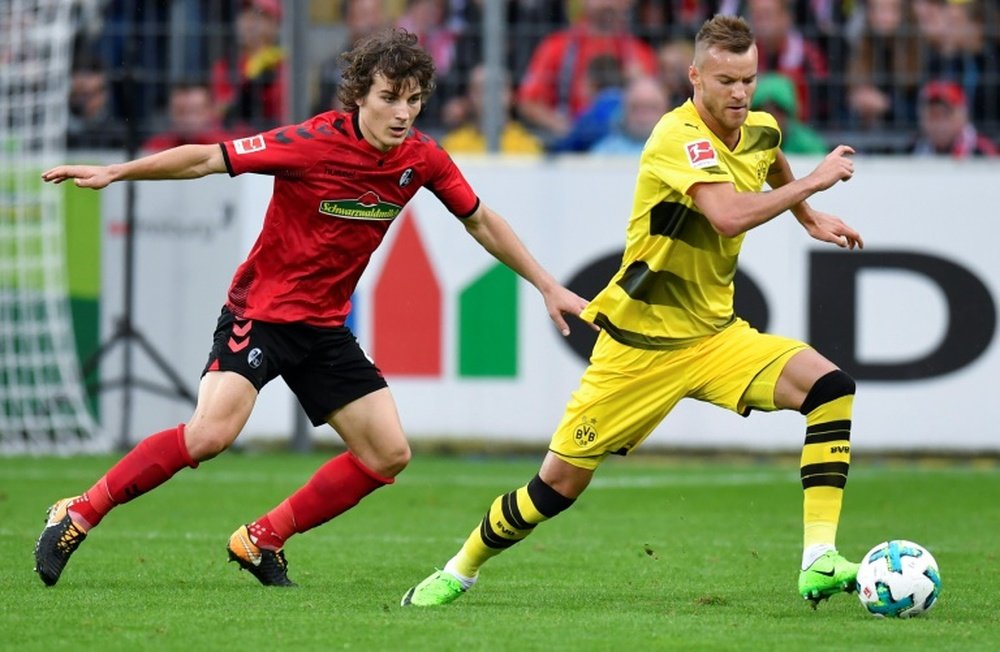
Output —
<point x="395" y="54"/>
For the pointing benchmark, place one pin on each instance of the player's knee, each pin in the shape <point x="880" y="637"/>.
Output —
<point x="547" y="500"/>
<point x="829" y="387"/>
<point x="392" y="460"/>
<point x="205" y="443"/>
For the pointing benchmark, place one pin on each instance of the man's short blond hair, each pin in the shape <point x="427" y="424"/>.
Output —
<point x="729" y="33"/>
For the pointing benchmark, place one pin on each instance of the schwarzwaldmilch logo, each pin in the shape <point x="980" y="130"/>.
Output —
<point x="366" y="207"/>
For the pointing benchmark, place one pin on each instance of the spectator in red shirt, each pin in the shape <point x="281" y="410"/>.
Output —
<point x="781" y="47"/>
<point x="945" y="127"/>
<point x="554" y="89"/>
<point x="192" y="120"/>
<point x="249" y="88"/>
<point x="340" y="179"/>
<point x="959" y="44"/>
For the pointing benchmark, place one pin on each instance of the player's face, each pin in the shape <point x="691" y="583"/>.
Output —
<point x="386" y="115"/>
<point x="724" y="83"/>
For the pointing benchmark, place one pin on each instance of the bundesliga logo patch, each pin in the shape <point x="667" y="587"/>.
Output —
<point x="701" y="154"/>
<point x="249" y="145"/>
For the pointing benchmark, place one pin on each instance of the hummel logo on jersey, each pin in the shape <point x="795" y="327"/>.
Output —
<point x="701" y="154"/>
<point x="250" y="145"/>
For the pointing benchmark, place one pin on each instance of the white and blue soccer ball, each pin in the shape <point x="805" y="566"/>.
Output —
<point x="898" y="579"/>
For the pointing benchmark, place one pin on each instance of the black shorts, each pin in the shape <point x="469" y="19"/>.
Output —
<point x="325" y="367"/>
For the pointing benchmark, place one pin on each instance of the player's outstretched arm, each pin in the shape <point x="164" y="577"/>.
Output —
<point x="495" y="235"/>
<point x="731" y="212"/>
<point x="184" y="162"/>
<point x="821" y="226"/>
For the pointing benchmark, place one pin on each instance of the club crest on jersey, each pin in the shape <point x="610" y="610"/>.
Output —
<point x="366" y="207"/>
<point x="250" y="145"/>
<point x="701" y="154"/>
<point x="406" y="177"/>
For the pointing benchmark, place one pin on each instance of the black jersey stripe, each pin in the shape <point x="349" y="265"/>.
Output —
<point x="666" y="218"/>
<point x="649" y="342"/>
<point x="760" y="138"/>
<point x="644" y="284"/>
<point x="662" y="287"/>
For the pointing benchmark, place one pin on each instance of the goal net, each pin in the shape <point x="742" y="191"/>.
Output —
<point x="42" y="405"/>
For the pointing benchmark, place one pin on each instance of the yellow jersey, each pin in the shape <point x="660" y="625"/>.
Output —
<point x="675" y="284"/>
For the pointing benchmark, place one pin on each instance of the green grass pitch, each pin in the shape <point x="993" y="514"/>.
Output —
<point x="672" y="554"/>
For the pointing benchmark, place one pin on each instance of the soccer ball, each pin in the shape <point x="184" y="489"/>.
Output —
<point x="898" y="579"/>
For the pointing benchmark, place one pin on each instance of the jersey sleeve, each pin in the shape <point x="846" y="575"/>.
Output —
<point x="449" y="185"/>
<point x="281" y="151"/>
<point x="681" y="158"/>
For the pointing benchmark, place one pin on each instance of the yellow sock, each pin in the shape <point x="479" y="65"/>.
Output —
<point x="510" y="518"/>
<point x="826" y="458"/>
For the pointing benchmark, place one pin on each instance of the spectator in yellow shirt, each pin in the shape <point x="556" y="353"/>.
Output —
<point x="468" y="137"/>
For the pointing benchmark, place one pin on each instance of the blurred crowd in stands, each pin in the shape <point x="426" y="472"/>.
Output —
<point x="886" y="76"/>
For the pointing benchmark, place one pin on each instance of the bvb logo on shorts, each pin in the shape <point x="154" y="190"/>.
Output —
<point x="586" y="432"/>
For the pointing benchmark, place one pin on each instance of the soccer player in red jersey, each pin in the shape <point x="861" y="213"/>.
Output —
<point x="340" y="178"/>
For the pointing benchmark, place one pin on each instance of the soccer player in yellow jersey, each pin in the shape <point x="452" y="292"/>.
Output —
<point x="667" y="325"/>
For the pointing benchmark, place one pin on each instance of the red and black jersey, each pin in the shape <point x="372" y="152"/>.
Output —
<point x="334" y="197"/>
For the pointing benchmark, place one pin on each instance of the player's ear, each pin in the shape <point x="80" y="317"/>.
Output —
<point x="693" y="76"/>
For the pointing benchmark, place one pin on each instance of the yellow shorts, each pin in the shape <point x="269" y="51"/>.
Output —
<point x="626" y="392"/>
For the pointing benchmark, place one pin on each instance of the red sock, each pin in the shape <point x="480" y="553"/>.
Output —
<point x="336" y="487"/>
<point x="152" y="462"/>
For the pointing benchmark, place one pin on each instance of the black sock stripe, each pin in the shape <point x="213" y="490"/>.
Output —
<point x="824" y="468"/>
<point x="491" y="538"/>
<point x="828" y="431"/>
<point x="511" y="512"/>
<point x="825" y="480"/>
<point x="547" y="500"/>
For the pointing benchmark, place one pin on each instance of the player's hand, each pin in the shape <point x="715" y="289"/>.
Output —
<point x="560" y="301"/>
<point x="85" y="176"/>
<point x="829" y="228"/>
<point x="837" y="166"/>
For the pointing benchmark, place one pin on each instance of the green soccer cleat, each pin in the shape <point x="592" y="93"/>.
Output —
<point x="440" y="588"/>
<point x="57" y="542"/>
<point x="828" y="575"/>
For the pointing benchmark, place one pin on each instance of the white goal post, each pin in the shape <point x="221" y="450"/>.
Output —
<point x="42" y="402"/>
